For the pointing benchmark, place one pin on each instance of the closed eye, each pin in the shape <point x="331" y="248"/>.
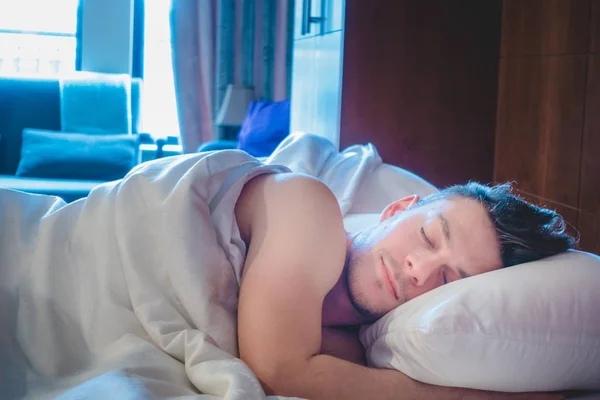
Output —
<point x="426" y="239"/>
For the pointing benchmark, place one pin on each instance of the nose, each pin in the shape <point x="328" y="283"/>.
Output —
<point x="420" y="270"/>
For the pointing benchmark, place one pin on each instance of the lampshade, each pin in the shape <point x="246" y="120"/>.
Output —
<point x="235" y="105"/>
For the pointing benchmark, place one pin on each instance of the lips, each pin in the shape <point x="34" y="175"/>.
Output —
<point x="389" y="277"/>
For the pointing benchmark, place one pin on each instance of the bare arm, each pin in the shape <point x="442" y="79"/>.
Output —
<point x="296" y="256"/>
<point x="337" y="379"/>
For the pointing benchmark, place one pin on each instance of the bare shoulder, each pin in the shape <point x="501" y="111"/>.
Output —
<point x="284" y="184"/>
<point x="292" y="211"/>
<point x="291" y="196"/>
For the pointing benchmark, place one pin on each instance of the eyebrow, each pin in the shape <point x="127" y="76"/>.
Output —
<point x="446" y="230"/>
<point x="445" y="226"/>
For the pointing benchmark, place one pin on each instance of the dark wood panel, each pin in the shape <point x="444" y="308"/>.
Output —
<point x="595" y="27"/>
<point x="589" y="195"/>
<point x="540" y="124"/>
<point x="589" y="229"/>
<point x="545" y="27"/>
<point x="420" y="82"/>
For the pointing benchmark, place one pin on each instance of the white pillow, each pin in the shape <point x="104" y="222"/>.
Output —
<point x="532" y="327"/>
<point x="357" y="222"/>
<point x="385" y="185"/>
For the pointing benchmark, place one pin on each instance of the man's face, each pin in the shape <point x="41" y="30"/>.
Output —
<point x="416" y="249"/>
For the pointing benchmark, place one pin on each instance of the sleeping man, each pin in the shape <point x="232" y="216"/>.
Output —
<point x="307" y="283"/>
<point x="196" y="275"/>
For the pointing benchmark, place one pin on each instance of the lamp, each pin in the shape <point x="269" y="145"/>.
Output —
<point x="235" y="105"/>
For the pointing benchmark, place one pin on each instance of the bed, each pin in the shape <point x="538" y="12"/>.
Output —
<point x="89" y="309"/>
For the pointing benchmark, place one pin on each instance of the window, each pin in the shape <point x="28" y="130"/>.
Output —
<point x="159" y="105"/>
<point x="38" y="36"/>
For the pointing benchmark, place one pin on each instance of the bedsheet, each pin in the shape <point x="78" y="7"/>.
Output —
<point x="131" y="293"/>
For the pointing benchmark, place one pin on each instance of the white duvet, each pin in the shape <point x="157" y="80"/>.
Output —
<point x="131" y="293"/>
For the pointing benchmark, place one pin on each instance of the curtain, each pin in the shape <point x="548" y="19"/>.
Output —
<point x="219" y="42"/>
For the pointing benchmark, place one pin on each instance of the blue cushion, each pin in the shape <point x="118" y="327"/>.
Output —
<point x="266" y="124"/>
<point x="60" y="155"/>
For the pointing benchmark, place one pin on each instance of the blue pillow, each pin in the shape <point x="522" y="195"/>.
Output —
<point x="266" y="124"/>
<point x="60" y="155"/>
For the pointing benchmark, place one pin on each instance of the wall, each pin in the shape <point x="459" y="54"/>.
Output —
<point x="107" y="36"/>
<point x="420" y="82"/>
<point x="548" y="122"/>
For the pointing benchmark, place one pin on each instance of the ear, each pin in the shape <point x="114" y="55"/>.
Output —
<point x="398" y="206"/>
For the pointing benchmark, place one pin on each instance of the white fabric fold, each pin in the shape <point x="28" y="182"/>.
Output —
<point x="135" y="287"/>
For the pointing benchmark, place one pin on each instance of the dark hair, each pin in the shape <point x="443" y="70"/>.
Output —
<point x="526" y="232"/>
